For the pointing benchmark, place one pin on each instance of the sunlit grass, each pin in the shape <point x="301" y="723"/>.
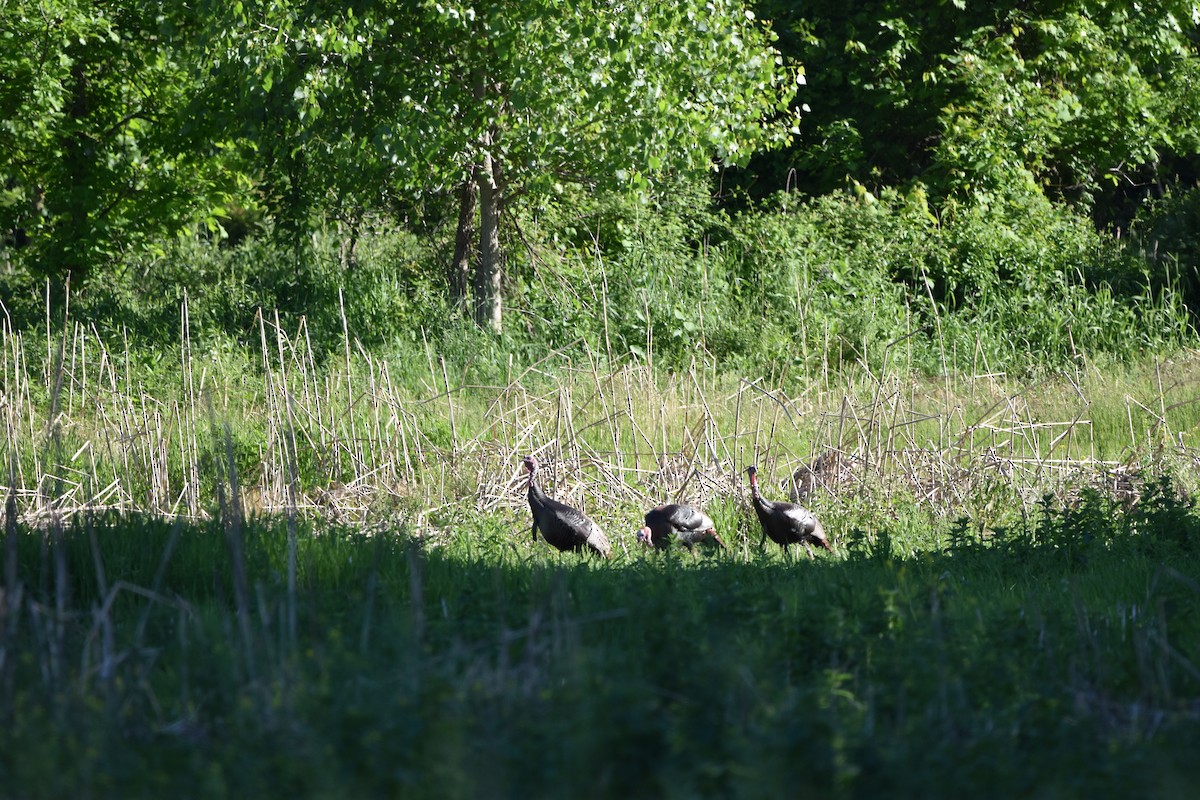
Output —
<point x="344" y="437"/>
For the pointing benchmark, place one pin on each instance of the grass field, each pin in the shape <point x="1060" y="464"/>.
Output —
<point x="316" y="580"/>
<point x="144" y="658"/>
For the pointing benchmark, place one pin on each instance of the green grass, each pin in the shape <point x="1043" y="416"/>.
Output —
<point x="1058" y="659"/>
<point x="100" y="429"/>
<point x="1012" y="610"/>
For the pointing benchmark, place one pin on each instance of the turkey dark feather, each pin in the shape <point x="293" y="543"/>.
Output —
<point x="786" y="523"/>
<point x="677" y="522"/>
<point x="564" y="527"/>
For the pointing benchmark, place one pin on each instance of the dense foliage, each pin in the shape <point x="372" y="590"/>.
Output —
<point x="1023" y="288"/>
<point x="263" y="218"/>
<point x="313" y="160"/>
<point x="124" y="121"/>
<point x="1088" y="100"/>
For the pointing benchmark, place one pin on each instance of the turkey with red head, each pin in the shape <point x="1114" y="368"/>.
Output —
<point x="564" y="527"/>
<point x="677" y="523"/>
<point x="786" y="523"/>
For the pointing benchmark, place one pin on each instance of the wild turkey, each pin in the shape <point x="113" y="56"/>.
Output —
<point x="826" y="470"/>
<point x="564" y="527"/>
<point x="676" y="522"/>
<point x="786" y="523"/>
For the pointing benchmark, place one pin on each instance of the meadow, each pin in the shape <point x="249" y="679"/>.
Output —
<point x="288" y="290"/>
<point x="315" y="578"/>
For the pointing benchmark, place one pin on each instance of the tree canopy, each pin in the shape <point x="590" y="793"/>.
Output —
<point x="124" y="124"/>
<point x="1085" y="100"/>
<point x="515" y="96"/>
<point x="95" y="158"/>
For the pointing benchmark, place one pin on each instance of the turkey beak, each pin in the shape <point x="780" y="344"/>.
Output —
<point x="713" y="533"/>
<point x="643" y="536"/>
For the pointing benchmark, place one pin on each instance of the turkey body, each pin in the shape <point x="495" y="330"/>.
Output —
<point x="786" y="523"/>
<point x="564" y="527"/>
<point x="676" y="522"/>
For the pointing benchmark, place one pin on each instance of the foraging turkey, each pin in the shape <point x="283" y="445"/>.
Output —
<point x="562" y="526"/>
<point x="675" y="522"/>
<point x="786" y="523"/>
<point x="826" y="470"/>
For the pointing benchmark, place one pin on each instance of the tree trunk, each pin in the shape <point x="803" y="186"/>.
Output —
<point x="348" y="232"/>
<point x="488" y="272"/>
<point x="459" y="272"/>
<point x="70" y="246"/>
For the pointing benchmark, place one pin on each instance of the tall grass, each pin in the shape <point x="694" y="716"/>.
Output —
<point x="813" y="286"/>
<point x="365" y="436"/>
<point x="1014" y="284"/>
<point x="1060" y="661"/>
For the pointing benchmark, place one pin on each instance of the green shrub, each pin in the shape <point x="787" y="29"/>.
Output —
<point x="1016" y="284"/>
<point x="389" y="291"/>
<point x="1166" y="234"/>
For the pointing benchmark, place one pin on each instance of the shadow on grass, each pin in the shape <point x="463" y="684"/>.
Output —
<point x="1061" y="660"/>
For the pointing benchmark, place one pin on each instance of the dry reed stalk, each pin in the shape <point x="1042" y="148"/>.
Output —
<point x="357" y="421"/>
<point x="322" y="429"/>
<point x="634" y="430"/>
<point x="350" y="400"/>
<point x="610" y="416"/>
<point x="116" y="459"/>
<point x="385" y="466"/>
<point x="739" y="456"/>
<point x="291" y="458"/>
<point x="72" y="371"/>
<point x="569" y="432"/>
<point x="233" y="518"/>
<point x="301" y="362"/>
<point x="708" y="418"/>
<point x="894" y="427"/>
<point x="281" y="441"/>
<point x="449" y="400"/>
<point x="190" y="418"/>
<point x="396" y="421"/>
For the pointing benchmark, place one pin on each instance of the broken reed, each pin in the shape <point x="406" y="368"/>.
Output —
<point x="364" y="431"/>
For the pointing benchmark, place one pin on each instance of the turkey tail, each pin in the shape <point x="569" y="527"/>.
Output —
<point x="598" y="541"/>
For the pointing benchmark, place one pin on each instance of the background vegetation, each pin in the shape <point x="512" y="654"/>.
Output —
<point x="1027" y="167"/>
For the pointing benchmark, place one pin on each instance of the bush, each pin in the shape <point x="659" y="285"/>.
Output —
<point x="1166" y="234"/>
<point x="1017" y="284"/>
<point x="390" y="290"/>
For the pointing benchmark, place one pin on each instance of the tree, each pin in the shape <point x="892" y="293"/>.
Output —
<point x="607" y="95"/>
<point x="92" y="154"/>
<point x="504" y="101"/>
<point x="1074" y="102"/>
<point x="1079" y="99"/>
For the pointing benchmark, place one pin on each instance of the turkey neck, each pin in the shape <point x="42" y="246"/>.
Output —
<point x="760" y="503"/>
<point x="535" y="491"/>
